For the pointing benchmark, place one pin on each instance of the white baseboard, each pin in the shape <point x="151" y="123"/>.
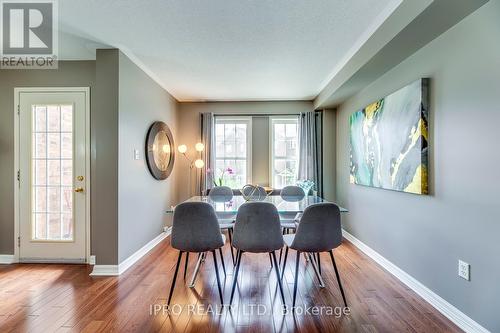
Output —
<point x="105" y="270"/>
<point x="113" y="270"/>
<point x="452" y="313"/>
<point x="7" y="259"/>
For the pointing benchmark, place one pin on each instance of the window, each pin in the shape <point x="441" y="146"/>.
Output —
<point x="284" y="151"/>
<point x="233" y="150"/>
<point x="52" y="172"/>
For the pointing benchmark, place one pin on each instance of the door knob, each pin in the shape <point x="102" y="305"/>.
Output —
<point x="79" y="189"/>
<point x="80" y="178"/>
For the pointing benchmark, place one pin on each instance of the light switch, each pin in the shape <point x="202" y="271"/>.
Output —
<point x="464" y="270"/>
<point x="137" y="155"/>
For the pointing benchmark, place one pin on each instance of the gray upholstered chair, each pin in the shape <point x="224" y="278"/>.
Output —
<point x="226" y="220"/>
<point x="196" y="229"/>
<point x="319" y="230"/>
<point x="257" y="230"/>
<point x="254" y="192"/>
<point x="221" y="193"/>
<point x="290" y="193"/>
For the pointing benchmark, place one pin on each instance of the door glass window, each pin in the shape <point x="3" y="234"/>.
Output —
<point x="52" y="173"/>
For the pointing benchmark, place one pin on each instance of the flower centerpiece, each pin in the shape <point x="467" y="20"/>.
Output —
<point x="307" y="185"/>
<point x="219" y="181"/>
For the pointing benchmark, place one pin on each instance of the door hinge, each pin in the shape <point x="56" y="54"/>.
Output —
<point x="18" y="110"/>
<point x="18" y="175"/>
<point x="18" y="241"/>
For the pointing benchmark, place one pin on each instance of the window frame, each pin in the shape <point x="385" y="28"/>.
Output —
<point x="221" y="119"/>
<point x="272" y="120"/>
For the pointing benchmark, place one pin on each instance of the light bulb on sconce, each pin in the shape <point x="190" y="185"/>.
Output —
<point x="166" y="148"/>
<point x="199" y="163"/>
<point x="182" y="149"/>
<point x="199" y="147"/>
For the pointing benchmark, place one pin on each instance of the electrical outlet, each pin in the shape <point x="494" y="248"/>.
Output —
<point x="137" y="155"/>
<point x="464" y="270"/>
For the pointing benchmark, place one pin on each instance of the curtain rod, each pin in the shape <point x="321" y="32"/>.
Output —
<point x="257" y="114"/>
<point x="254" y="114"/>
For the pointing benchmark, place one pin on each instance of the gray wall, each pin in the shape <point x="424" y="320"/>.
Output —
<point x="260" y="151"/>
<point x="329" y="157"/>
<point x="69" y="74"/>
<point x="189" y="133"/>
<point x="104" y="162"/>
<point x="142" y="199"/>
<point x="426" y="235"/>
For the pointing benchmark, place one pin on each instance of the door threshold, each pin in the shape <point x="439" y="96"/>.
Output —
<point x="52" y="261"/>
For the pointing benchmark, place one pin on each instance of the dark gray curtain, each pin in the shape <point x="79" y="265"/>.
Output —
<point x="207" y="138"/>
<point x="310" y="149"/>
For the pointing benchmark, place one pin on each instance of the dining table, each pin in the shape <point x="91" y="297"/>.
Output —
<point x="287" y="205"/>
<point x="292" y="205"/>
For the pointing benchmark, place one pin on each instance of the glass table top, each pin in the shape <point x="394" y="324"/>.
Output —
<point x="290" y="205"/>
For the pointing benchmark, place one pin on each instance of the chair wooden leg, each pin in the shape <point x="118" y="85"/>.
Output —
<point x="284" y="263"/>
<point x="235" y="279"/>
<point x="296" y="279"/>
<point x="175" y="277"/>
<point x="338" y="277"/>
<point x="186" y="265"/>
<point x="230" y="236"/>
<point x="217" y="276"/>
<point x="277" y="270"/>
<point x="222" y="261"/>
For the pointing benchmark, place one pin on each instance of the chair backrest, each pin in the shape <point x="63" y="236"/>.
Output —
<point x="319" y="229"/>
<point x="292" y="193"/>
<point x="254" y="192"/>
<point x="221" y="194"/>
<point x="257" y="228"/>
<point x="195" y="228"/>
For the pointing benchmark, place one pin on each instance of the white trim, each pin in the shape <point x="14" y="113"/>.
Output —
<point x="105" y="270"/>
<point x="452" y="313"/>
<point x="17" y="92"/>
<point x="249" y="122"/>
<point x="113" y="270"/>
<point x="51" y="261"/>
<point x="7" y="259"/>
<point x="16" y="169"/>
<point x="88" y="183"/>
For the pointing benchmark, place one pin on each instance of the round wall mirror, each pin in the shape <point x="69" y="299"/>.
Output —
<point x="160" y="150"/>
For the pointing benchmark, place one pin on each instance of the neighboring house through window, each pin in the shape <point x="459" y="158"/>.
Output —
<point x="233" y="149"/>
<point x="284" y="141"/>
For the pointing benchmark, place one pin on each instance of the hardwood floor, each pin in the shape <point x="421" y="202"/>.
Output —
<point x="64" y="298"/>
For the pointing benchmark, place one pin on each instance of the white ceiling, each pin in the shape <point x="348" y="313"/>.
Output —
<point x="226" y="49"/>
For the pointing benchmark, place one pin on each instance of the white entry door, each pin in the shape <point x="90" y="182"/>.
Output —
<point x="53" y="154"/>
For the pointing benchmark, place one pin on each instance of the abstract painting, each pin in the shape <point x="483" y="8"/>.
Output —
<point x="389" y="141"/>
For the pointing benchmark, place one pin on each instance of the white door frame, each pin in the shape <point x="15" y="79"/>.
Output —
<point x="17" y="92"/>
